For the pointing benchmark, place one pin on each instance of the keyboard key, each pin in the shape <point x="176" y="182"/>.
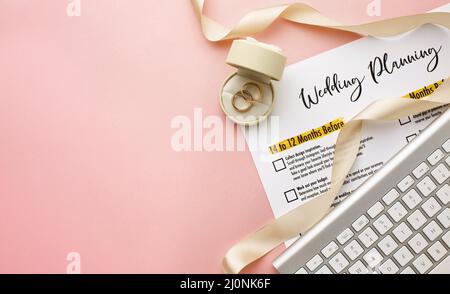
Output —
<point x="432" y="231"/>
<point x="431" y="207"/>
<point x="434" y="158"/>
<point x="330" y="249"/>
<point x="408" y="271"/>
<point x="382" y="224"/>
<point x="338" y="263"/>
<point x="444" y="218"/>
<point x="358" y="268"/>
<point x="444" y="194"/>
<point x="446" y="238"/>
<point x="368" y="237"/>
<point x="390" y="197"/>
<point x="360" y="223"/>
<point x="387" y="245"/>
<point x="324" y="270"/>
<point x="301" y="271"/>
<point x="407" y="182"/>
<point x="442" y="267"/>
<point x="373" y="258"/>
<point x="345" y="236"/>
<point x="426" y="186"/>
<point x="389" y="267"/>
<point x="402" y="232"/>
<point x="446" y="146"/>
<point x="314" y="262"/>
<point x="437" y="251"/>
<point x="422" y="263"/>
<point x="440" y="173"/>
<point x="421" y="170"/>
<point x="397" y="212"/>
<point x="416" y="219"/>
<point x="403" y="256"/>
<point x="375" y="210"/>
<point x="412" y="199"/>
<point x="418" y="243"/>
<point x="353" y="250"/>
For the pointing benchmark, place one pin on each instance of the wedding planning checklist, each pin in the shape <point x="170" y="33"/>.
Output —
<point x="318" y="95"/>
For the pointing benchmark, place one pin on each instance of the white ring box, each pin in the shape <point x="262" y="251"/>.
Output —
<point x="257" y="63"/>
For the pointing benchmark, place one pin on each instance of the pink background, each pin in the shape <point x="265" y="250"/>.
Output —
<point x="86" y="104"/>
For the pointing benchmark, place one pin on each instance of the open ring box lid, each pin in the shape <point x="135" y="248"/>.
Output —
<point x="257" y="63"/>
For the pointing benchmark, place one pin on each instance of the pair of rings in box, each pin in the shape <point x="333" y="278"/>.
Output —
<point x="249" y="94"/>
<point x="247" y="97"/>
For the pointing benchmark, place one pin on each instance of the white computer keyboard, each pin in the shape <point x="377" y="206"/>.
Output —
<point x="407" y="231"/>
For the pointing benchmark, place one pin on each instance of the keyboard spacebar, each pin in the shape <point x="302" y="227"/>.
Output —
<point x="443" y="267"/>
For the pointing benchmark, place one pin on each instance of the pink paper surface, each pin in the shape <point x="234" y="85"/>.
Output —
<point x="86" y="105"/>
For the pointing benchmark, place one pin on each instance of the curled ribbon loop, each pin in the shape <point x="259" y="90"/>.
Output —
<point x="259" y="20"/>
<point x="302" y="218"/>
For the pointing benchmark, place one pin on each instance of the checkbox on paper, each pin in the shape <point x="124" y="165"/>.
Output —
<point x="404" y="121"/>
<point x="291" y="195"/>
<point x="279" y="165"/>
<point x="411" y="137"/>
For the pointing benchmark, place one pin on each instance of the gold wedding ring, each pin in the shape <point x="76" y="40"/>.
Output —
<point x="254" y="89"/>
<point x="245" y="96"/>
<point x="250" y="92"/>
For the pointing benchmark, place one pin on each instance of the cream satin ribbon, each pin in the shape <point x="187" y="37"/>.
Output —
<point x="302" y="218"/>
<point x="257" y="21"/>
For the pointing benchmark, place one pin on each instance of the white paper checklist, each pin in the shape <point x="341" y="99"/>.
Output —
<point x="317" y="94"/>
